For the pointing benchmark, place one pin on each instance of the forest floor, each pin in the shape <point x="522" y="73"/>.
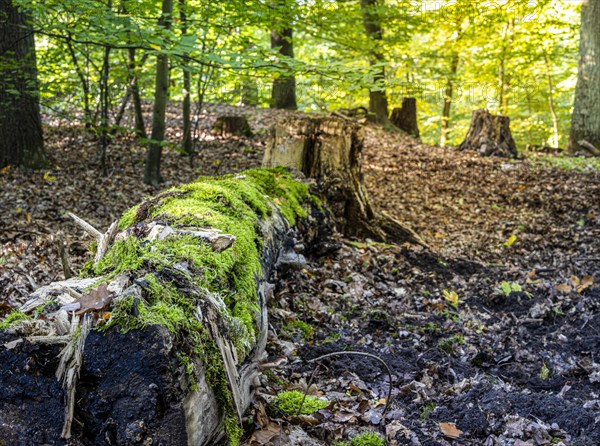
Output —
<point x="491" y="340"/>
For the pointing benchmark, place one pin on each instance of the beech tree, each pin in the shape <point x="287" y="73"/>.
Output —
<point x="282" y="39"/>
<point x="21" y="141"/>
<point x="585" y="123"/>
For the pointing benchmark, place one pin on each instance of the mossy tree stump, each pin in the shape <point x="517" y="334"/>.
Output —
<point x="163" y="340"/>
<point x="490" y="135"/>
<point x="328" y="150"/>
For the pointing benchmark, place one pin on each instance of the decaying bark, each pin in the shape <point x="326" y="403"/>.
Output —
<point x="329" y="150"/>
<point x="130" y="388"/>
<point x="405" y="117"/>
<point x="232" y="125"/>
<point x="490" y="135"/>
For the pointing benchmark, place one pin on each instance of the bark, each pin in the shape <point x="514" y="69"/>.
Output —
<point x="161" y="94"/>
<point x="585" y="122"/>
<point x="132" y="387"/>
<point x="490" y="135"/>
<point x="329" y="150"/>
<point x="555" y="131"/>
<point x="378" y="104"/>
<point x="405" y="118"/>
<point x="448" y="97"/>
<point x="284" y="87"/>
<point x="232" y="125"/>
<point x="504" y="77"/>
<point x="21" y="141"/>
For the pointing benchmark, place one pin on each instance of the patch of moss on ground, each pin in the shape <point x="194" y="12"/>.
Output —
<point x="289" y="403"/>
<point x="12" y="319"/>
<point x="364" y="439"/>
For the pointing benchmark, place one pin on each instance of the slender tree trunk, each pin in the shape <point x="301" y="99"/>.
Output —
<point x="448" y="96"/>
<point x="21" y="141"/>
<point x="284" y="87"/>
<point x="503" y="76"/>
<point x="161" y="94"/>
<point x="585" y="122"/>
<point x="378" y="103"/>
<point x="187" y="87"/>
<point x="555" y="132"/>
<point x="104" y="102"/>
<point x="85" y="85"/>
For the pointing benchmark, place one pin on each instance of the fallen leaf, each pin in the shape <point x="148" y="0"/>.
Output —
<point x="450" y="430"/>
<point x="564" y="288"/>
<point x="96" y="299"/>
<point x="586" y="282"/>
<point x="510" y="241"/>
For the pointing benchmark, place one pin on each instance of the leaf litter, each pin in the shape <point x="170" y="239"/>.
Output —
<point x="471" y="364"/>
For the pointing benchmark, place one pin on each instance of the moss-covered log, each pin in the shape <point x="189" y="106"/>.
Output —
<point x="161" y="340"/>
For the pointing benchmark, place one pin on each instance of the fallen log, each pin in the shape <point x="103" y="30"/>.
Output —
<point x="328" y="150"/>
<point x="162" y="341"/>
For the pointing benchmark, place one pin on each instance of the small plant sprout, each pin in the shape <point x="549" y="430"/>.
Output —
<point x="452" y="298"/>
<point x="506" y="288"/>
<point x="545" y="371"/>
<point x="368" y="438"/>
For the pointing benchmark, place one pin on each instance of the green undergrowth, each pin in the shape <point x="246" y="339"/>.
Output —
<point x="565" y="162"/>
<point x="290" y="403"/>
<point x="13" y="318"/>
<point x="365" y="439"/>
<point x="180" y="271"/>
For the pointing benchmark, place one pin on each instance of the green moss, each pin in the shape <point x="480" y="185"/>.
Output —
<point x="306" y="329"/>
<point x="368" y="439"/>
<point x="289" y="403"/>
<point x="232" y="205"/>
<point x="12" y="319"/>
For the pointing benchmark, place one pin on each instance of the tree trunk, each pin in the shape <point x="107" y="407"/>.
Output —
<point x="184" y="373"/>
<point x="585" y="122"/>
<point x="405" y="118"/>
<point x="21" y="140"/>
<point x="448" y="96"/>
<point x="161" y="94"/>
<point x="284" y="87"/>
<point x="329" y="150"/>
<point x="186" y="144"/>
<point x="490" y="135"/>
<point x="555" y="132"/>
<point x="378" y="104"/>
<point x="232" y="125"/>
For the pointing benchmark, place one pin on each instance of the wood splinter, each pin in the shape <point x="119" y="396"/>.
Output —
<point x="103" y="240"/>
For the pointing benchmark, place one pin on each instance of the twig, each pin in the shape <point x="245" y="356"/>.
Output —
<point x="368" y="355"/>
<point x="103" y="240"/>
<point x="64" y="257"/>
<point x="86" y="226"/>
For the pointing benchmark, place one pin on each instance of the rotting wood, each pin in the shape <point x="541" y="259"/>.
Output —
<point x="189" y="415"/>
<point x="490" y="135"/>
<point x="329" y="151"/>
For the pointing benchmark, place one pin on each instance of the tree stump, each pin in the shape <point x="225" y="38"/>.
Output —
<point x="181" y="310"/>
<point x="405" y="118"/>
<point x="490" y="135"/>
<point x="232" y="126"/>
<point x="329" y="151"/>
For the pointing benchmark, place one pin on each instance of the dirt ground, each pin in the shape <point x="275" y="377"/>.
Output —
<point x="494" y="335"/>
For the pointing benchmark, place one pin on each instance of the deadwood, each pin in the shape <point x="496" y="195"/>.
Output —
<point x="164" y="341"/>
<point x="490" y="135"/>
<point x="328" y="150"/>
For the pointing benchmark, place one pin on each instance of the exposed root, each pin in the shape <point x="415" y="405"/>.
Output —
<point x="388" y="400"/>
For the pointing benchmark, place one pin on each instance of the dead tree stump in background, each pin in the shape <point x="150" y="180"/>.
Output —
<point x="232" y="125"/>
<point x="490" y="135"/>
<point x="329" y="150"/>
<point x="405" y="118"/>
